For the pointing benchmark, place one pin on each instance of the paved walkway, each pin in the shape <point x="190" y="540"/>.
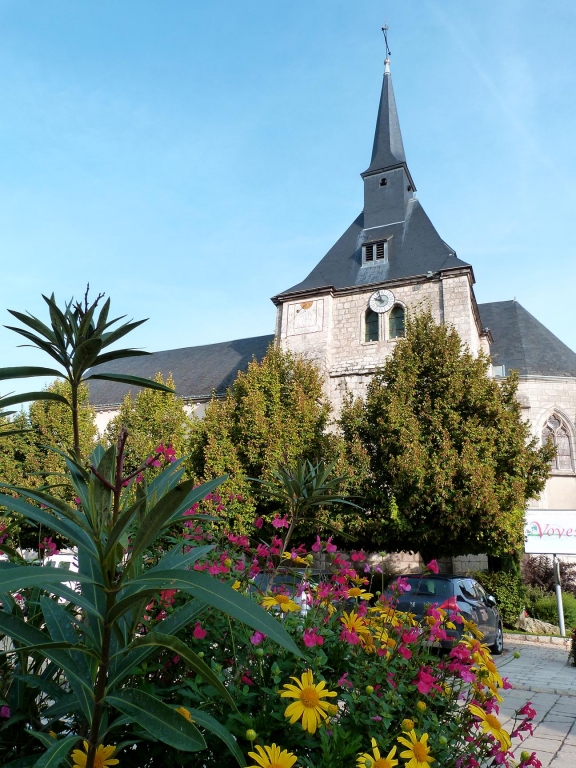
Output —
<point x="541" y="675"/>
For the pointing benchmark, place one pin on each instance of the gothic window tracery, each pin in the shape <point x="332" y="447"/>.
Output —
<point x="558" y="432"/>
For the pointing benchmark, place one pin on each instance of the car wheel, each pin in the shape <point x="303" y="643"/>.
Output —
<point x="498" y="646"/>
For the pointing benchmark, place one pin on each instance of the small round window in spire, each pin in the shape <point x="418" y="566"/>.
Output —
<point x="383" y="182"/>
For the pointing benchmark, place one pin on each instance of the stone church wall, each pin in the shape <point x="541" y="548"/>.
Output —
<point x="540" y="397"/>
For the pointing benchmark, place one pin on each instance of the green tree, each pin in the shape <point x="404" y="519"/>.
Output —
<point x="444" y="458"/>
<point x="26" y="459"/>
<point x="151" y="418"/>
<point x="274" y="413"/>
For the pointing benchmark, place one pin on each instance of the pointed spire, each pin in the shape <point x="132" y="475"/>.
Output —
<point x="388" y="149"/>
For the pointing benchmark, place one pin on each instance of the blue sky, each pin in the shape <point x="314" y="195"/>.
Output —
<point x="192" y="158"/>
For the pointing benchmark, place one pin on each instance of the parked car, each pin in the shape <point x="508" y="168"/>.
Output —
<point x="473" y="603"/>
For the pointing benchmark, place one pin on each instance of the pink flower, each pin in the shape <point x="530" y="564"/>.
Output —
<point x="377" y="719"/>
<point x="257" y="638"/>
<point x="280" y="522"/>
<point x="344" y="681"/>
<point x="528" y="710"/>
<point x="317" y="546"/>
<point x="358" y="557"/>
<point x="401" y="585"/>
<point x="312" y="638"/>
<point x="49" y="546"/>
<point x="405" y="652"/>
<point x="4" y="711"/>
<point x="246" y="679"/>
<point x="259" y="522"/>
<point x="198" y="632"/>
<point x="331" y="548"/>
<point x="432" y="566"/>
<point x="425" y="681"/>
<point x="350" y="636"/>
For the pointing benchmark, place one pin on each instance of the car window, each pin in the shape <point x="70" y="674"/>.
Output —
<point x="467" y="589"/>
<point x="437" y="590"/>
<point x="480" y="592"/>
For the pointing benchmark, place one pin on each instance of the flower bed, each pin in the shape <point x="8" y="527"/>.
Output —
<point x="369" y="689"/>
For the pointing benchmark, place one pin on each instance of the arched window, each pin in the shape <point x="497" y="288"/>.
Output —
<point x="371" y="326"/>
<point x="557" y="430"/>
<point x="396" y="322"/>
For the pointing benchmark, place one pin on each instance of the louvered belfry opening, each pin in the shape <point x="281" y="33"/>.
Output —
<point x="375" y="252"/>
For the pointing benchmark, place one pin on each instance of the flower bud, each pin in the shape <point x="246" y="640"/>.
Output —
<point x="421" y="706"/>
<point x="251" y="734"/>
<point x="259" y="652"/>
<point x="369" y="690"/>
<point x="407" y="725"/>
<point x="200" y="654"/>
<point x="525" y="755"/>
<point x="442" y="740"/>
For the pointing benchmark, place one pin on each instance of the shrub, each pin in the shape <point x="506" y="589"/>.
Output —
<point x="539" y="572"/>
<point x="509" y="591"/>
<point x="543" y="606"/>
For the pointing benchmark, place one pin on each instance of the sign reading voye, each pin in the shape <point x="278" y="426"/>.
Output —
<point x="550" y="532"/>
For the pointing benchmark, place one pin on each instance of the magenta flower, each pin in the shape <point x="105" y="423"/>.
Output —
<point x="344" y="681"/>
<point x="198" y="632"/>
<point x="311" y="638"/>
<point x="257" y="638"/>
<point x="331" y="548"/>
<point x="317" y="546"/>
<point x="432" y="566"/>
<point x="280" y="522"/>
<point x="4" y="711"/>
<point x="259" y="522"/>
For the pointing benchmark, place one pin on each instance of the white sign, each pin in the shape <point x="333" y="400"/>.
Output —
<point x="550" y="532"/>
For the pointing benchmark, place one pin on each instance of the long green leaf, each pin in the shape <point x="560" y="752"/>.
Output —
<point x="23" y="633"/>
<point x="181" y="649"/>
<point x="136" y="380"/>
<point x="212" y="725"/>
<point x="53" y="757"/>
<point x="55" y="504"/>
<point x="28" y="396"/>
<point x="119" y="354"/>
<point x="124" y="605"/>
<point x="112" y="336"/>
<point x="85" y="354"/>
<point x="64" y="707"/>
<point x="26" y="371"/>
<point x="17" y="577"/>
<point x="46" y="346"/>
<point x="171" y="506"/>
<point x="196" y="494"/>
<point x="160" y="720"/>
<point x="180" y="618"/>
<point x="222" y="597"/>
<point x="35" y="324"/>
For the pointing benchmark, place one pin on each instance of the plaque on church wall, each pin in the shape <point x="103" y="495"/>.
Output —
<point x="305" y="317"/>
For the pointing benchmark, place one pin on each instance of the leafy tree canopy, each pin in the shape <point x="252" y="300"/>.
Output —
<point x="152" y="417"/>
<point x="441" y="451"/>
<point x="274" y="413"/>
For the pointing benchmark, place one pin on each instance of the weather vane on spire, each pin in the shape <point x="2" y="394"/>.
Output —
<point x="385" y="29"/>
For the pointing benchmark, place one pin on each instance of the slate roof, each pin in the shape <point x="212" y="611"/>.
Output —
<point x="415" y="248"/>
<point x="197" y="371"/>
<point x="522" y="343"/>
<point x="388" y="148"/>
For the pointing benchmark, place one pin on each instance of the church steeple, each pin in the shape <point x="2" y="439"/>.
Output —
<point x="388" y="185"/>
<point x="388" y="149"/>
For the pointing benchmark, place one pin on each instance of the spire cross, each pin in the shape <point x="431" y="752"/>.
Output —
<point x="385" y="29"/>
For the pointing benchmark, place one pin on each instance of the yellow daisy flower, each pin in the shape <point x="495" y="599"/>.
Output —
<point x="418" y="752"/>
<point x="355" y="623"/>
<point x="308" y="705"/>
<point x="103" y="755"/>
<point x="375" y="760"/>
<point x="280" y="601"/>
<point x="491" y="724"/>
<point x="272" y="757"/>
<point x="408" y="724"/>
<point x="473" y="629"/>
<point x="294" y="559"/>
<point x="361" y="593"/>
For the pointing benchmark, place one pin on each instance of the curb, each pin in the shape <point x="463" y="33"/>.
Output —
<point x="532" y="689"/>
<point x="539" y="639"/>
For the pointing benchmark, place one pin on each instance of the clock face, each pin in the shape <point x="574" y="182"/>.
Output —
<point x="381" y="301"/>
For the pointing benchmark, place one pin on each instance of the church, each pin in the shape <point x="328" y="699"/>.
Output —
<point x="350" y="311"/>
